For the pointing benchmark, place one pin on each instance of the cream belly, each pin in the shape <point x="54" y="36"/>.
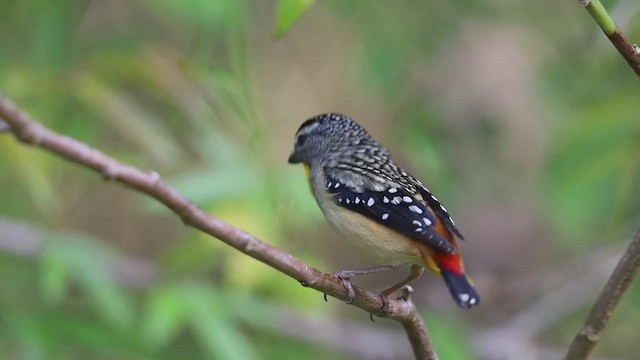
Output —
<point x="378" y="243"/>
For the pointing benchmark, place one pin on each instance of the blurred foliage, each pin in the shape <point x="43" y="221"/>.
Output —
<point x="509" y="111"/>
<point x="288" y="12"/>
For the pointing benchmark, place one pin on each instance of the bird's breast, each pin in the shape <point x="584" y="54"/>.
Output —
<point x="375" y="241"/>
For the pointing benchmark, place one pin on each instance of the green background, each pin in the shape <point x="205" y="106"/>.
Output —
<point x="520" y="116"/>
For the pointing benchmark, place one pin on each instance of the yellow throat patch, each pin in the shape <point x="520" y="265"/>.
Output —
<point x="307" y="170"/>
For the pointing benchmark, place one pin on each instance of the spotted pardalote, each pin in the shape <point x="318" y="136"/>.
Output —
<point x="380" y="209"/>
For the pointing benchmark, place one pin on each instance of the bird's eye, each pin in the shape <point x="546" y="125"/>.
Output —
<point x="301" y="140"/>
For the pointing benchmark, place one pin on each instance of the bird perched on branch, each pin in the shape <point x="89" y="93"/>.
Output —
<point x="384" y="212"/>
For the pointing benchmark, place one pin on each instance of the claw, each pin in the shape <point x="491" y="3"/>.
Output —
<point x="345" y="278"/>
<point x="384" y="308"/>
<point x="351" y="293"/>
<point x="385" y="305"/>
<point x="325" y="297"/>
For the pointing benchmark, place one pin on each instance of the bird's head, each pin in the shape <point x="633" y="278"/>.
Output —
<point x="326" y="134"/>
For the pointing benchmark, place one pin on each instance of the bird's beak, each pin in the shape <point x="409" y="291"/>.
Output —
<point x="293" y="159"/>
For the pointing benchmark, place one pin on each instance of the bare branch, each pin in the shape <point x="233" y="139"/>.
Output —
<point x="31" y="132"/>
<point x="359" y="341"/>
<point x="629" y="51"/>
<point x="602" y="310"/>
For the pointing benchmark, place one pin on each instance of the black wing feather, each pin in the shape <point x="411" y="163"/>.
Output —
<point x="442" y="213"/>
<point x="395" y="208"/>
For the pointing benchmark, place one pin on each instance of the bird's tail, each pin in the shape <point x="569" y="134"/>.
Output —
<point x="460" y="288"/>
<point x="451" y="268"/>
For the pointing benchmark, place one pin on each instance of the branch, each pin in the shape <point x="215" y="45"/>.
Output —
<point x="33" y="133"/>
<point x="629" y="51"/>
<point x="602" y="310"/>
<point x="360" y="342"/>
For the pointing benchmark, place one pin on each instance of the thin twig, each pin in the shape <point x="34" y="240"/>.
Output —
<point x="31" y="132"/>
<point x="629" y="51"/>
<point x="602" y="310"/>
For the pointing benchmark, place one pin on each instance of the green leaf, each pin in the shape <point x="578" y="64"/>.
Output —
<point x="288" y="12"/>
<point x="213" y="325"/>
<point x="55" y="277"/>
<point x="109" y="299"/>
<point x="166" y="313"/>
<point x="84" y="260"/>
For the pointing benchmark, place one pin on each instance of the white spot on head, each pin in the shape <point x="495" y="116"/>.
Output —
<point x="427" y="221"/>
<point x="370" y="201"/>
<point x="407" y="199"/>
<point x="464" y="297"/>
<point x="357" y="200"/>
<point x="385" y="216"/>
<point x="392" y="190"/>
<point x="415" y="209"/>
<point x="385" y="200"/>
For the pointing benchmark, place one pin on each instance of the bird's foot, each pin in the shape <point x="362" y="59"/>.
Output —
<point x="345" y="278"/>
<point x="385" y="306"/>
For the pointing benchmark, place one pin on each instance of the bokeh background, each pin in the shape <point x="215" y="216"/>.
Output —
<point x="519" y="115"/>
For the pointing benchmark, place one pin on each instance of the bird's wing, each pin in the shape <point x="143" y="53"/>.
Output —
<point x="393" y="207"/>
<point x="439" y="209"/>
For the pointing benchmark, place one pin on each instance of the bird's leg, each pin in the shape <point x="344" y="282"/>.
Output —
<point x="416" y="272"/>
<point x="346" y="275"/>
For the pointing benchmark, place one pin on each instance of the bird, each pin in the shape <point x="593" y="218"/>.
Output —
<point x="380" y="209"/>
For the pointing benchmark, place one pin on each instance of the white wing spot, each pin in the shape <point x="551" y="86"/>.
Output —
<point x="396" y="200"/>
<point x="442" y="207"/>
<point x="329" y="184"/>
<point x="418" y="229"/>
<point x="370" y="201"/>
<point x="392" y="190"/>
<point x="348" y="201"/>
<point x="407" y="199"/>
<point x="385" y="216"/>
<point x="465" y="297"/>
<point x="434" y="198"/>
<point x="427" y="221"/>
<point x="357" y="200"/>
<point x="385" y="200"/>
<point x="415" y="209"/>
<point x="340" y="199"/>
<point x="417" y="223"/>
<point x="337" y="185"/>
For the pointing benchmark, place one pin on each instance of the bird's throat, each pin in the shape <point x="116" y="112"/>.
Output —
<point x="307" y="170"/>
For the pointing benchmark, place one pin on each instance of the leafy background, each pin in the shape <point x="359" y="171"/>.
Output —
<point x="520" y="115"/>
